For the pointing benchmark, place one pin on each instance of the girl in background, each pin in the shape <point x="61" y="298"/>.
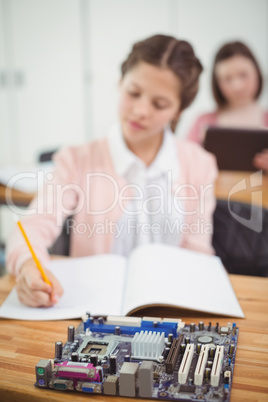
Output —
<point x="138" y="185"/>
<point x="236" y="85"/>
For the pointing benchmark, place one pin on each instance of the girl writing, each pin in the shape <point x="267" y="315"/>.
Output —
<point x="137" y="185"/>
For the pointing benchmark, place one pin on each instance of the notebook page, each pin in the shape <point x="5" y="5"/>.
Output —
<point x="91" y="284"/>
<point x="162" y="274"/>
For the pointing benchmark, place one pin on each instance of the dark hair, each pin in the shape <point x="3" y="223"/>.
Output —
<point x="227" y="51"/>
<point x="168" y="52"/>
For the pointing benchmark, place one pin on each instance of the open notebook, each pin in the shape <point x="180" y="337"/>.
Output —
<point x="153" y="275"/>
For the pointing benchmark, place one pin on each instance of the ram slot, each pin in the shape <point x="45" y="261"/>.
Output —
<point x="186" y="364"/>
<point x="173" y="354"/>
<point x="216" y="368"/>
<point x="201" y="364"/>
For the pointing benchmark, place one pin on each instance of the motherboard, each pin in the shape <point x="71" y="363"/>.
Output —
<point x="145" y="357"/>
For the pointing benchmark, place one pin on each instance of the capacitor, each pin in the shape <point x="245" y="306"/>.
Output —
<point x="71" y="333"/>
<point x="207" y="373"/>
<point x="209" y="326"/>
<point x="201" y="326"/>
<point x="127" y="358"/>
<point x="72" y="349"/>
<point x="227" y="377"/>
<point x="209" y="364"/>
<point x="113" y="364"/>
<point x="94" y="359"/>
<point x="84" y="360"/>
<point x="234" y="328"/>
<point x="198" y="348"/>
<point x="183" y="347"/>
<point x="58" y="350"/>
<point x="161" y="359"/>
<point x="190" y="381"/>
<point x="166" y="352"/>
<point x="187" y="340"/>
<point x="76" y="342"/>
<point x="217" y="327"/>
<point x="99" y="369"/>
<point x="75" y="357"/>
<point x="117" y="330"/>
<point x="168" y="345"/>
<point x="212" y="353"/>
<point x="155" y="324"/>
<point x="231" y="349"/>
<point x="170" y="338"/>
<point x="100" y="320"/>
<point x="192" y="327"/>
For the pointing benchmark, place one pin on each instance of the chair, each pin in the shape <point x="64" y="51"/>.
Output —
<point x="62" y="244"/>
<point x="46" y="156"/>
<point x="241" y="249"/>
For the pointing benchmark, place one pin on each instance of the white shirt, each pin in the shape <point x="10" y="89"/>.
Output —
<point x="151" y="216"/>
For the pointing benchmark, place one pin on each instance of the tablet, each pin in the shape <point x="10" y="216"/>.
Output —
<point x="235" y="148"/>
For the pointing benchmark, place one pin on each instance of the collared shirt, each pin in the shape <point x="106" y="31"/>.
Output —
<point x="151" y="216"/>
<point x="130" y="166"/>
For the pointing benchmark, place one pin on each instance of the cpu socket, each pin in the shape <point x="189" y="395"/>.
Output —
<point x="92" y="346"/>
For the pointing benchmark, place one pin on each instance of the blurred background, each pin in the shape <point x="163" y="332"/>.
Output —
<point x="60" y="63"/>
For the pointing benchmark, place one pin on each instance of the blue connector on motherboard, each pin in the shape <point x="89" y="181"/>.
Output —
<point x="119" y="329"/>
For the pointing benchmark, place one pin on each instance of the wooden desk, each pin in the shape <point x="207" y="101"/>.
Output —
<point x="23" y="343"/>
<point x="17" y="197"/>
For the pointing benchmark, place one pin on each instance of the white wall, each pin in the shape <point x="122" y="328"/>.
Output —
<point x="42" y="50"/>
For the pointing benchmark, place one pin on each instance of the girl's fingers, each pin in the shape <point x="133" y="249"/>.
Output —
<point x="33" y="291"/>
<point x="34" y="299"/>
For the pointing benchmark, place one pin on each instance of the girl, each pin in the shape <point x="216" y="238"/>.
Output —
<point x="137" y="185"/>
<point x="236" y="85"/>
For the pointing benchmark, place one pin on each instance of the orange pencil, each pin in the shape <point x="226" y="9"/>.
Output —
<point x="37" y="262"/>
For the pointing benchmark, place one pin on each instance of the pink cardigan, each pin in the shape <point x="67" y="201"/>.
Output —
<point x="84" y="186"/>
<point x="200" y="125"/>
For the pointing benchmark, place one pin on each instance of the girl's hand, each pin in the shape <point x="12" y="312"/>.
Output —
<point x="33" y="291"/>
<point x="260" y="160"/>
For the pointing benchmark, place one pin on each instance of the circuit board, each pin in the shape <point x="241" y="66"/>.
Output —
<point x="145" y="357"/>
